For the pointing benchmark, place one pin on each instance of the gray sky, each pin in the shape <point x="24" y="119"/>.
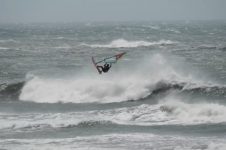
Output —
<point x="110" y="10"/>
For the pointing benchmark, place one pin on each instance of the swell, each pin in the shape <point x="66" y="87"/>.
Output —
<point x="48" y="126"/>
<point x="108" y="126"/>
<point x="122" y="43"/>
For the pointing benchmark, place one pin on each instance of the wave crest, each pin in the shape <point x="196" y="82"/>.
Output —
<point x="122" y="43"/>
<point x="183" y="113"/>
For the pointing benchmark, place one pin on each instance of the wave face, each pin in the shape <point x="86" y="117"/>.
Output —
<point x="10" y="91"/>
<point x="122" y="43"/>
<point x="13" y="91"/>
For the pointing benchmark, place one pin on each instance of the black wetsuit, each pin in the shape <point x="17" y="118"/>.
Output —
<point x="106" y="67"/>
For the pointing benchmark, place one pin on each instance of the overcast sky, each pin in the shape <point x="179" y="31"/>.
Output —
<point x="23" y="11"/>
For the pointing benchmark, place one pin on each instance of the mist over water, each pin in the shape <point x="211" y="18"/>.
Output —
<point x="168" y="91"/>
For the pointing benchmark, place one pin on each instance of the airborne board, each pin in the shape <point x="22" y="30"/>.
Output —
<point x="110" y="60"/>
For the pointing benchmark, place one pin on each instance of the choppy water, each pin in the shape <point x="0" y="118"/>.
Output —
<point x="168" y="92"/>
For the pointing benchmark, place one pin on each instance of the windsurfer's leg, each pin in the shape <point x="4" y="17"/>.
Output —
<point x="99" y="68"/>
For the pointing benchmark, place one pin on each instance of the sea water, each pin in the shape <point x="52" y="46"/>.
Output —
<point x="167" y="92"/>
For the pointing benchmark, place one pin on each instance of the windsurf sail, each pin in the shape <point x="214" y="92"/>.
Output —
<point x="111" y="59"/>
<point x="95" y="64"/>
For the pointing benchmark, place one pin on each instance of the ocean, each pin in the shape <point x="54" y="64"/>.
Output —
<point x="168" y="92"/>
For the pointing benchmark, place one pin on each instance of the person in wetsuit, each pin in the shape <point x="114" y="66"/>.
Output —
<point x="104" y="68"/>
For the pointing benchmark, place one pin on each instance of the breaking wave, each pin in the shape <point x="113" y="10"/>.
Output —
<point x="178" y="112"/>
<point x="167" y="113"/>
<point x="13" y="91"/>
<point x="122" y="43"/>
<point x="156" y="77"/>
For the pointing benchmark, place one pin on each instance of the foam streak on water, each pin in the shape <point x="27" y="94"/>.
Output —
<point x="121" y="43"/>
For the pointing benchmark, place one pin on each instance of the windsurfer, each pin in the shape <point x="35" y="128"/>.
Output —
<point x="105" y="68"/>
<point x="107" y="62"/>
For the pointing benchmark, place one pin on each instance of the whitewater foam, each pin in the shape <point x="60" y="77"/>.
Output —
<point x="198" y="113"/>
<point x="169" y="113"/>
<point x="83" y="90"/>
<point x="122" y="43"/>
